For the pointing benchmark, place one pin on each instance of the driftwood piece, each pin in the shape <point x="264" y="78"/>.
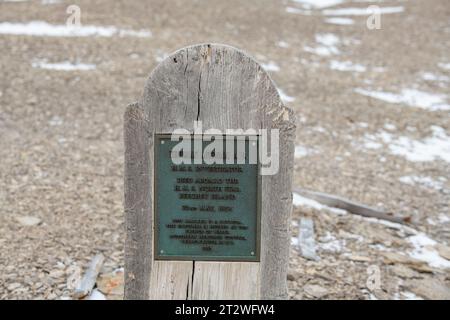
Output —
<point x="350" y="206"/>
<point x="89" y="279"/>
<point x="306" y="241"/>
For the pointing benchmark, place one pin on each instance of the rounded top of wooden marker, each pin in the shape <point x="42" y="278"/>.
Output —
<point x="217" y="84"/>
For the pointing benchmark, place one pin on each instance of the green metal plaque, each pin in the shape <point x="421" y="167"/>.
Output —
<point x="207" y="211"/>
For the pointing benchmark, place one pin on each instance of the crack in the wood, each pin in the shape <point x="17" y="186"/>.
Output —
<point x="190" y="290"/>
<point x="187" y="80"/>
<point x="192" y="280"/>
<point x="187" y="63"/>
<point x="199" y="94"/>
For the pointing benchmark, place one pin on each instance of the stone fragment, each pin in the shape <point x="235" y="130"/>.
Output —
<point x="13" y="286"/>
<point x="315" y="291"/>
<point x="443" y="251"/>
<point x="403" y="271"/>
<point x="431" y="289"/>
<point x="28" y="221"/>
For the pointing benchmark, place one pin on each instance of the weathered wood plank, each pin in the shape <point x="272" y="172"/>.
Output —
<point x="277" y="208"/>
<point x="170" y="280"/>
<point x="350" y="206"/>
<point x="89" y="279"/>
<point x="138" y="203"/>
<point x="224" y="280"/>
<point x="225" y="89"/>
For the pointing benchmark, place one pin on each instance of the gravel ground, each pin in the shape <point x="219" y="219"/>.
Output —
<point x="373" y="126"/>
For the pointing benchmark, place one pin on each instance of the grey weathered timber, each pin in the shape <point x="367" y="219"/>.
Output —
<point x="350" y="206"/>
<point x="306" y="239"/>
<point x="89" y="279"/>
<point x="138" y="202"/>
<point x="225" y="89"/>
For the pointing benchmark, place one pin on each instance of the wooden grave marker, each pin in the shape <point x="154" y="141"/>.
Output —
<point x="206" y="231"/>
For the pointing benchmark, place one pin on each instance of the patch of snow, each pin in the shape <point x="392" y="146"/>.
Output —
<point x="330" y="243"/>
<point x="46" y="2"/>
<point x="427" y="182"/>
<point x="372" y="297"/>
<point x="327" y="45"/>
<point x="410" y="296"/>
<point x="298" y="11"/>
<point x="351" y="236"/>
<point x="55" y="121"/>
<point x="434" y="147"/>
<point x="371" y="141"/>
<point x="318" y="4"/>
<point x="63" y="66"/>
<point x="327" y="39"/>
<point x="346" y="66"/>
<point x="340" y="21"/>
<point x="62" y="140"/>
<point x="442" y="218"/>
<point x="119" y="270"/>
<point x="42" y="28"/>
<point x="434" y="77"/>
<point x="320" y="51"/>
<point x="445" y="66"/>
<point x="283" y="44"/>
<point x="294" y="241"/>
<point x="319" y="129"/>
<point x="410" y="97"/>
<point x="424" y="251"/>
<point x="302" y="119"/>
<point x="372" y="145"/>
<point x="161" y="56"/>
<point x="361" y="11"/>
<point x="386" y="137"/>
<point x="270" y="66"/>
<point x="301" y="151"/>
<point x="379" y="69"/>
<point x="362" y="124"/>
<point x="96" y="295"/>
<point x="392" y="225"/>
<point x="285" y="97"/>
<point x="390" y="126"/>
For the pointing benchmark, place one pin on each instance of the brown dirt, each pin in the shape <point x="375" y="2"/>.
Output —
<point x="62" y="152"/>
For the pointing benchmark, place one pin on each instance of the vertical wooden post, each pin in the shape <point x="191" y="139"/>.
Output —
<point x="225" y="89"/>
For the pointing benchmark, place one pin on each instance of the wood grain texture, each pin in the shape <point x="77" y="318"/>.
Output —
<point x="225" y="89"/>
<point x="171" y="280"/>
<point x="138" y="203"/>
<point x="226" y="280"/>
